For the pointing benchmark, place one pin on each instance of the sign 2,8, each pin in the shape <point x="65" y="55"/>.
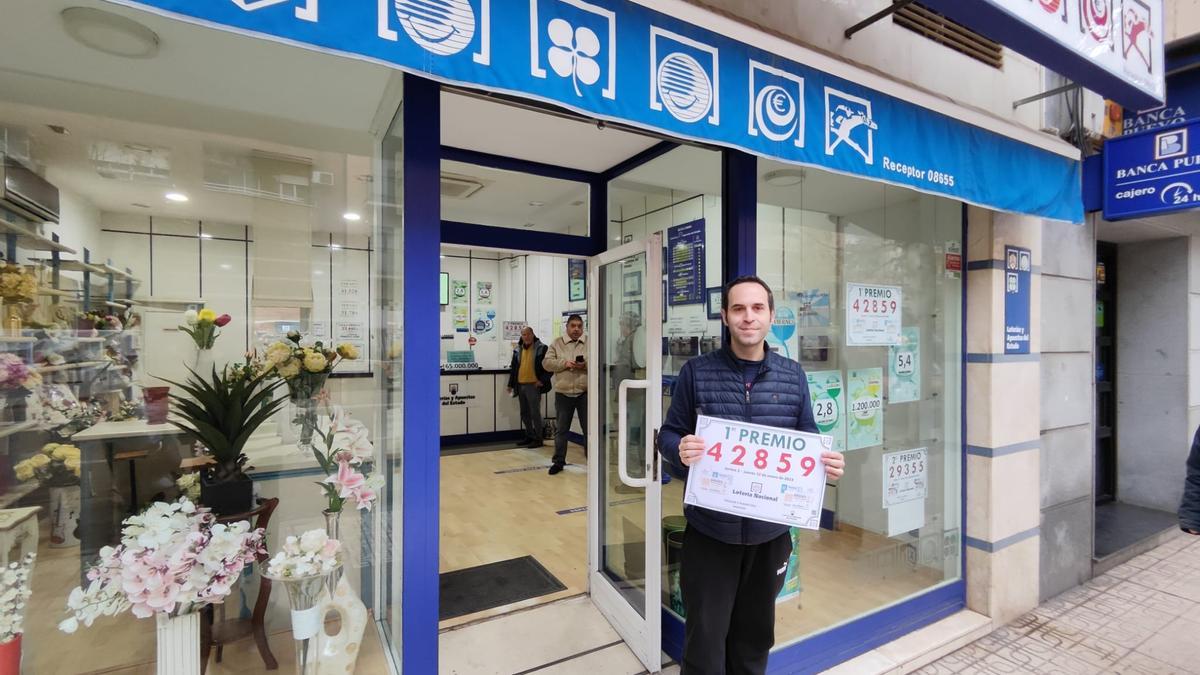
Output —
<point x="761" y="459"/>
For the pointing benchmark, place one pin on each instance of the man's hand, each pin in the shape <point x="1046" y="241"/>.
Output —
<point x="691" y="449"/>
<point x="508" y="390"/>
<point x="834" y="462"/>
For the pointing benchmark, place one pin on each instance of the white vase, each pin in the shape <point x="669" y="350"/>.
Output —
<point x="64" y="516"/>
<point x="203" y="365"/>
<point x="179" y="644"/>
<point x="339" y="652"/>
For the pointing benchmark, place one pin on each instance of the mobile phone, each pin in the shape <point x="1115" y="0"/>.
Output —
<point x="579" y="359"/>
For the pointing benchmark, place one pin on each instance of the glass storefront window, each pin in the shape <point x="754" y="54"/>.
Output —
<point x="679" y="196"/>
<point x="825" y="243"/>
<point x="264" y="210"/>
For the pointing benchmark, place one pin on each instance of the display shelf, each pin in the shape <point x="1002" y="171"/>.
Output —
<point x="90" y="339"/>
<point x="31" y="240"/>
<point x="78" y="266"/>
<point x="118" y="273"/>
<point x="70" y="366"/>
<point x="10" y="429"/>
<point x="55" y="292"/>
<point x="15" y="494"/>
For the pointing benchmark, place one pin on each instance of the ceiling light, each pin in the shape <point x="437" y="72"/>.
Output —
<point x="110" y="33"/>
<point x="351" y="217"/>
<point x="205" y="235"/>
<point x="176" y="197"/>
<point x="226" y="266"/>
<point x="537" y="204"/>
<point x="784" y="177"/>
<point x="336" y="247"/>
<point x="318" y="272"/>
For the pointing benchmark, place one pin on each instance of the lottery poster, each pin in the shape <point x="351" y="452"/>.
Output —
<point x="782" y="338"/>
<point x="904" y="367"/>
<point x="829" y="405"/>
<point x="905" y="487"/>
<point x="462" y="319"/>
<point x="873" y="315"/>
<point x="864" y="390"/>
<point x="484" y="325"/>
<point x="483" y="292"/>
<point x="458" y="291"/>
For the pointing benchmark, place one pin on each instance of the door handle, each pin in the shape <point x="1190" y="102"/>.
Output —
<point x="622" y="436"/>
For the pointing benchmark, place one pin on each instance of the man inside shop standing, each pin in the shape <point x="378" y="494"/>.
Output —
<point x="733" y="567"/>
<point x="529" y="380"/>
<point x="567" y="359"/>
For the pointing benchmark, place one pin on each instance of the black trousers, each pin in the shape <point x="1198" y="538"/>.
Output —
<point x="530" y="396"/>
<point x="729" y="593"/>
<point x="564" y="407"/>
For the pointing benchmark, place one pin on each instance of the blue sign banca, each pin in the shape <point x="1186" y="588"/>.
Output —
<point x="1153" y="172"/>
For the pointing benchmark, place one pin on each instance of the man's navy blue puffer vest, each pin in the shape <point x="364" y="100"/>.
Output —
<point x="778" y="398"/>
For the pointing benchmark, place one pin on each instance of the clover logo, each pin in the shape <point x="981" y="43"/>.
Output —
<point x="573" y="53"/>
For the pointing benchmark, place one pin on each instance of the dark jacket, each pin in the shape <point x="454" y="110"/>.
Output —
<point x="1189" y="508"/>
<point x="539" y="353"/>
<point x="713" y="384"/>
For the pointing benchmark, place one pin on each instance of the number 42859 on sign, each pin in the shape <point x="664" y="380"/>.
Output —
<point x="760" y="472"/>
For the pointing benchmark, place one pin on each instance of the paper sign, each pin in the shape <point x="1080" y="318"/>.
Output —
<point x="760" y="472"/>
<point x="462" y="319"/>
<point x="484" y="324"/>
<point x="873" y="315"/>
<point x="865" y="392"/>
<point x="512" y="329"/>
<point x="458" y="395"/>
<point x="458" y="291"/>
<point x="483" y="292"/>
<point x="904" y="367"/>
<point x="905" y="476"/>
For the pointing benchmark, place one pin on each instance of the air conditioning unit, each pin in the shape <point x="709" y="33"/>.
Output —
<point x="455" y="186"/>
<point x="322" y="177"/>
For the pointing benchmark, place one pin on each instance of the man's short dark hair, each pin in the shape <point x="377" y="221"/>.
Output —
<point x="574" y="317"/>
<point x="747" y="279"/>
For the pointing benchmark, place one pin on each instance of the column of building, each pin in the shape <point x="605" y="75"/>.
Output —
<point x="1003" y="432"/>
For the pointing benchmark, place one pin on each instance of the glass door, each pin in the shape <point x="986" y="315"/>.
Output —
<point x="624" y="413"/>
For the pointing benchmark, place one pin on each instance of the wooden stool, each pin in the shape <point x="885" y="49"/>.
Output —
<point x="231" y="630"/>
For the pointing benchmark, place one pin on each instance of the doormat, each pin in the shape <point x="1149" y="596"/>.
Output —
<point x="475" y="589"/>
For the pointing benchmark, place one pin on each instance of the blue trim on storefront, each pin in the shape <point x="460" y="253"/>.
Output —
<point x="644" y="157"/>
<point x="488" y="236"/>
<point x="514" y="164"/>
<point x="844" y="642"/>
<point x="739" y="210"/>
<point x="420" y="509"/>
<point x="1003" y="358"/>
<point x="1001" y="544"/>
<point x="1011" y="449"/>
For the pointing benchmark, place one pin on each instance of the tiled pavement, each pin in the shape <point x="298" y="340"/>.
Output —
<point x="1142" y="617"/>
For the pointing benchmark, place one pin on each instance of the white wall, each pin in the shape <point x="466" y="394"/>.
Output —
<point x="896" y="52"/>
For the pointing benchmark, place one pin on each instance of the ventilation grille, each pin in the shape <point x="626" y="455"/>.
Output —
<point x="455" y="186"/>
<point x="938" y="28"/>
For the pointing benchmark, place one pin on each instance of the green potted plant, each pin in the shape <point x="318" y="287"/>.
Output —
<point x="221" y="411"/>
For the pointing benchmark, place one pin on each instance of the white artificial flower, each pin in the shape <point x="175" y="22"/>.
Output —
<point x="191" y="317"/>
<point x="313" y="541"/>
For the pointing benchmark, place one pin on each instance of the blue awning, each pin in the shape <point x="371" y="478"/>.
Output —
<point x="613" y="59"/>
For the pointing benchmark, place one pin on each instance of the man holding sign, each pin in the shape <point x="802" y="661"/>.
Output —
<point x="733" y="563"/>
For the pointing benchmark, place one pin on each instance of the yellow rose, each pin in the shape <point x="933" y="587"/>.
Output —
<point x="49" y="448"/>
<point x="38" y="461"/>
<point x="314" y="362"/>
<point x="207" y="314"/>
<point x="23" y="470"/>
<point x="347" y="351"/>
<point x="72" y="465"/>
<point x="278" y="353"/>
<point x="65" y="453"/>
<point x="288" y="369"/>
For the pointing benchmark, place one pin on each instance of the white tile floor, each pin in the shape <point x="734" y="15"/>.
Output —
<point x="562" y="638"/>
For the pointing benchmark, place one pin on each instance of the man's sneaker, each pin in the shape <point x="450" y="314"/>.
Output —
<point x="556" y="468"/>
